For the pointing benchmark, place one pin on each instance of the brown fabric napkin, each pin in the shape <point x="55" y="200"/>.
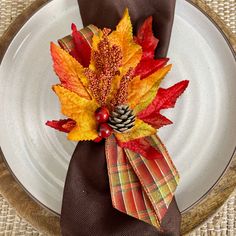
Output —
<point x="87" y="208"/>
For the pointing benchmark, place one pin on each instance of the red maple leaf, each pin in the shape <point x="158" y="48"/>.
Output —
<point x="146" y="39"/>
<point x="156" y="120"/>
<point x="62" y="125"/>
<point x="147" y="67"/>
<point x="165" y="98"/>
<point x="82" y="50"/>
<point x="143" y="147"/>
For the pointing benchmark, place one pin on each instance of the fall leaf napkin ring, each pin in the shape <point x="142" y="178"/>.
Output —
<point x="109" y="89"/>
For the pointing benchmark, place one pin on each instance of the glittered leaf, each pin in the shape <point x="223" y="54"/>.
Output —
<point x="165" y="98"/>
<point x="69" y="71"/>
<point x="146" y="39"/>
<point x="80" y="110"/>
<point x="140" y="130"/>
<point x="65" y="125"/>
<point x="143" y="147"/>
<point x="82" y="49"/>
<point x="105" y="65"/>
<point x="123" y="37"/>
<point x="139" y="88"/>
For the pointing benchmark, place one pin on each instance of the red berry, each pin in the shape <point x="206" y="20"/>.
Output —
<point x="102" y="115"/>
<point x="104" y="130"/>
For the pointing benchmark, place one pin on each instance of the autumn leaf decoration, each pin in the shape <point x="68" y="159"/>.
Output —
<point x="111" y="87"/>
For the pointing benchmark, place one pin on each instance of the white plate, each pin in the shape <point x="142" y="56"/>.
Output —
<point x="201" y="141"/>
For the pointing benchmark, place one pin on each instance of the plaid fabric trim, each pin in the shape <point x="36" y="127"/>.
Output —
<point x="159" y="177"/>
<point x="127" y="193"/>
<point x="139" y="187"/>
<point x="67" y="42"/>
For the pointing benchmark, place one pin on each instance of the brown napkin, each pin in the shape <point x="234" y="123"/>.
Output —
<point x="107" y="13"/>
<point x="87" y="208"/>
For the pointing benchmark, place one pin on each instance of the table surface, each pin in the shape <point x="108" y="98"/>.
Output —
<point x="223" y="223"/>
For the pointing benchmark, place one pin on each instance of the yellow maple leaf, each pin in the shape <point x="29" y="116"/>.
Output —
<point x="95" y="41"/>
<point x="140" y="129"/>
<point x="123" y="37"/>
<point x="114" y="88"/>
<point x="69" y="71"/>
<point x="147" y="98"/>
<point x="140" y="92"/>
<point x="80" y="110"/>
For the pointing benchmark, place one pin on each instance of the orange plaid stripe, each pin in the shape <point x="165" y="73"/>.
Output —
<point x="139" y="187"/>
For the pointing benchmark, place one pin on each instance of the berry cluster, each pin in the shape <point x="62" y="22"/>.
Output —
<point x="104" y="130"/>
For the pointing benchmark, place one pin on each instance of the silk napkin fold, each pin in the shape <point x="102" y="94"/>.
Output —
<point x="87" y="208"/>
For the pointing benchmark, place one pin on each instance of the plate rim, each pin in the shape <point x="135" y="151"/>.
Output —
<point x="234" y="151"/>
<point x="187" y="214"/>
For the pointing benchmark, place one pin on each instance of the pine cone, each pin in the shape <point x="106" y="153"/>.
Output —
<point x="122" y="119"/>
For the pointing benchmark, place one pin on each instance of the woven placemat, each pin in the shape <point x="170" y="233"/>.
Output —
<point x="222" y="224"/>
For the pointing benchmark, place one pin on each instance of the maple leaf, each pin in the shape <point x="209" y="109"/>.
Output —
<point x="139" y="130"/>
<point x="156" y="120"/>
<point x="148" y="42"/>
<point x="148" y="66"/>
<point x="140" y="91"/>
<point x="165" y="98"/>
<point x="82" y="49"/>
<point x="143" y="147"/>
<point x="146" y="39"/>
<point x="69" y="71"/>
<point x="81" y="111"/>
<point x="65" y="125"/>
<point x="96" y="39"/>
<point x="123" y="37"/>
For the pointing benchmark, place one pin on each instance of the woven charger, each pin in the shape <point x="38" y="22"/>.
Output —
<point x="45" y="221"/>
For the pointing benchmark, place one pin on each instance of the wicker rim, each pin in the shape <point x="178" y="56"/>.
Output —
<point x="188" y="213"/>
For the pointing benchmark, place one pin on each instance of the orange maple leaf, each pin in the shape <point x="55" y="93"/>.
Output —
<point x="69" y="71"/>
